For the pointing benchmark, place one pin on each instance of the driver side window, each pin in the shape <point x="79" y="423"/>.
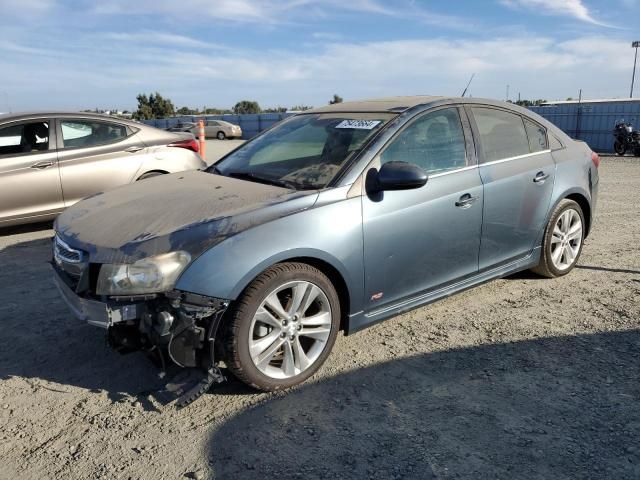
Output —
<point x="433" y="142"/>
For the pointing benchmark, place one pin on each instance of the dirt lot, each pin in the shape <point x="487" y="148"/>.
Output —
<point x="520" y="378"/>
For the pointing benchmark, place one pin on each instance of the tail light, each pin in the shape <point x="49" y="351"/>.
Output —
<point x="189" y="144"/>
<point x="595" y="158"/>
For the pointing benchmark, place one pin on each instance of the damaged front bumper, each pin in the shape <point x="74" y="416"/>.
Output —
<point x="174" y="327"/>
<point x="98" y="314"/>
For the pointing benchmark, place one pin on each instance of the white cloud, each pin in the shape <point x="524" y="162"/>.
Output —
<point x="569" y="8"/>
<point x="271" y="12"/>
<point x="535" y="67"/>
<point x="147" y="37"/>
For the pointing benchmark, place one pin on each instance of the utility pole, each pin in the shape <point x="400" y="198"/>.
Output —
<point x="635" y="60"/>
<point x="507" y="92"/>
<point x="578" y="115"/>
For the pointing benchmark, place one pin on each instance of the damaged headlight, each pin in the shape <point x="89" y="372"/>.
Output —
<point x="149" y="275"/>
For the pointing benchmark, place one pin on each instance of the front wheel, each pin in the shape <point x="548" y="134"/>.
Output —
<point x="619" y="147"/>
<point x="563" y="240"/>
<point x="221" y="136"/>
<point x="283" y="327"/>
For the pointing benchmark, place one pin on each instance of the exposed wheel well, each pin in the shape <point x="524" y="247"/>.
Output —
<point x="150" y="173"/>
<point x="337" y="281"/>
<point x="586" y="209"/>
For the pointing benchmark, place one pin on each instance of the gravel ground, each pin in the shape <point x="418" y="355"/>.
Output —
<point x="520" y="378"/>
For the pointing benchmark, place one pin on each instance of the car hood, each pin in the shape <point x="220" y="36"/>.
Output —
<point x="189" y="211"/>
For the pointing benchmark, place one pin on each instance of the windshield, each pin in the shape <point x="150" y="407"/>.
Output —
<point x="303" y="152"/>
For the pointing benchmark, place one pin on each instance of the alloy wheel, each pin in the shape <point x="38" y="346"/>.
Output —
<point x="566" y="239"/>
<point x="290" y="329"/>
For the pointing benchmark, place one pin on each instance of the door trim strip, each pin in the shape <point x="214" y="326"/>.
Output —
<point x="517" y="157"/>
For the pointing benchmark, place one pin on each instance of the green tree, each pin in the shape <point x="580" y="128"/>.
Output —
<point x="275" y="110"/>
<point x="300" y="108"/>
<point x="246" y="106"/>
<point x="336" y="99"/>
<point x="153" y="106"/>
<point x="530" y="103"/>
<point x="186" y="111"/>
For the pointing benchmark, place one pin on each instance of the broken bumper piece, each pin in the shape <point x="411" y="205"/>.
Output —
<point x="174" y="328"/>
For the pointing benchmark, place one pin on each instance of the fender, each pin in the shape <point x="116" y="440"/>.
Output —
<point x="331" y="233"/>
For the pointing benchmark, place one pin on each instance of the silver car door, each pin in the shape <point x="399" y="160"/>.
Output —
<point x="29" y="177"/>
<point x="518" y="173"/>
<point x="96" y="155"/>
<point x="416" y="240"/>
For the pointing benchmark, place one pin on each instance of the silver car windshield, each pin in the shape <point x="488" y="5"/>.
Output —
<point x="305" y="151"/>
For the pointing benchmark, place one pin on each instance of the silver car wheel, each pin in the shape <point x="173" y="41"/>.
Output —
<point x="290" y="329"/>
<point x="566" y="239"/>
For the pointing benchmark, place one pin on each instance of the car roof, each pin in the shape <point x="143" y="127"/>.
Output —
<point x="64" y="114"/>
<point x="385" y="104"/>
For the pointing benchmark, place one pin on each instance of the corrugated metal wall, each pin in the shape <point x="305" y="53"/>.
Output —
<point x="591" y="122"/>
<point x="251" y="124"/>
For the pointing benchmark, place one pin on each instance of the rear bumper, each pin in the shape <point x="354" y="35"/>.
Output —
<point x="93" y="312"/>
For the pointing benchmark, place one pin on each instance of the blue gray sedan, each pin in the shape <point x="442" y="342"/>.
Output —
<point x="334" y="219"/>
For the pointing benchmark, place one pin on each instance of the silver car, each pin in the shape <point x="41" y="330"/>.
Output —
<point x="49" y="161"/>
<point x="218" y="129"/>
<point x="334" y="219"/>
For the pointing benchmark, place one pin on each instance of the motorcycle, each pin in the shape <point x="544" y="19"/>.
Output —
<point x="626" y="139"/>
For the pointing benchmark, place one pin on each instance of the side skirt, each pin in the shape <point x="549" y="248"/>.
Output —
<point x="363" y="320"/>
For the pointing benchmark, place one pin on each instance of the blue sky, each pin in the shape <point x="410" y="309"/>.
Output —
<point x="75" y="54"/>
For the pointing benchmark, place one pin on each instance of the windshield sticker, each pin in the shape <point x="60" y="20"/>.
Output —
<point x="358" y="124"/>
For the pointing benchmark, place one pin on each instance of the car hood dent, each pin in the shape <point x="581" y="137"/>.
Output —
<point x="189" y="211"/>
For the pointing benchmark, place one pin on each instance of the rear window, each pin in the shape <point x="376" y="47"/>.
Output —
<point x="537" y="136"/>
<point x="90" y="133"/>
<point x="502" y="134"/>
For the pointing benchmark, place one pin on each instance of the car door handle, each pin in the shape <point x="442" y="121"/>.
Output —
<point x="466" y="200"/>
<point x="133" y="149"/>
<point x="42" y="165"/>
<point x="540" y="177"/>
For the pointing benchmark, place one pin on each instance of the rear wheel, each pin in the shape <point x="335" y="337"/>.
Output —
<point x="283" y="327"/>
<point x="619" y="147"/>
<point x="563" y="240"/>
<point x="636" y="152"/>
<point x="221" y="136"/>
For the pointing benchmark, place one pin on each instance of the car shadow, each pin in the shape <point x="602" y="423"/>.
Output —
<point x="562" y="408"/>
<point x="28" y="228"/>
<point x="608" y="269"/>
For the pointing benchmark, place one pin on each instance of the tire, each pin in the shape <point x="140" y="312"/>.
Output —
<point x="260" y="368"/>
<point x="558" y="237"/>
<point x="636" y="152"/>
<point x="149" y="175"/>
<point x="619" y="148"/>
<point x="221" y="136"/>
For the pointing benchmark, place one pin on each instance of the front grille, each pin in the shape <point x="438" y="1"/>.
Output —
<point x="72" y="263"/>
<point x="64" y="253"/>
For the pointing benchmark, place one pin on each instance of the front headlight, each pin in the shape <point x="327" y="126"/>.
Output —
<point x="149" y="275"/>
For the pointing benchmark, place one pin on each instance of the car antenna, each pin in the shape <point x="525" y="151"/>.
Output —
<point x="467" y="87"/>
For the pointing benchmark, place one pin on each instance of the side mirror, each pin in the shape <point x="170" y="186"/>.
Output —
<point x="400" y="176"/>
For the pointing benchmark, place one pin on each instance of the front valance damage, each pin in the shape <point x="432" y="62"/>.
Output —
<point x="176" y="329"/>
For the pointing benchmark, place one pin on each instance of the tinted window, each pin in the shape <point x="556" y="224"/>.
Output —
<point x="502" y="134"/>
<point x="24" y="138"/>
<point x="434" y="142"/>
<point x="89" y="133"/>
<point x="537" y="136"/>
<point x="212" y="123"/>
